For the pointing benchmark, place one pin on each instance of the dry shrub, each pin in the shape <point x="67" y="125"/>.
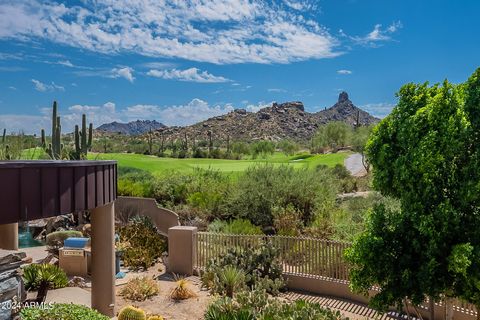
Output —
<point x="140" y="289"/>
<point x="182" y="290"/>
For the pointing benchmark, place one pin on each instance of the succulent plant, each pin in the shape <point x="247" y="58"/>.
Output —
<point x="155" y="318"/>
<point x="131" y="313"/>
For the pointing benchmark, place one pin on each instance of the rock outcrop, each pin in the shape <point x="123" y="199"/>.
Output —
<point x="280" y="121"/>
<point x="132" y="128"/>
<point x="12" y="289"/>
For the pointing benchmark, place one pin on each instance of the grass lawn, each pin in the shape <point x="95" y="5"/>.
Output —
<point x="159" y="165"/>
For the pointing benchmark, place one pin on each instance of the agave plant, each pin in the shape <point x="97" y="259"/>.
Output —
<point x="51" y="276"/>
<point x="182" y="289"/>
<point x="43" y="277"/>
<point x="232" y="279"/>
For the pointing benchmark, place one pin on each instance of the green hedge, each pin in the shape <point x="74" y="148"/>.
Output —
<point x="61" y="311"/>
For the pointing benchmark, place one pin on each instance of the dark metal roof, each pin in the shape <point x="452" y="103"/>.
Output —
<point x="40" y="189"/>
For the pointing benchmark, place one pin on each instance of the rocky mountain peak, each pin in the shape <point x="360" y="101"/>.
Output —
<point x="343" y="97"/>
<point x="286" y="105"/>
<point x="132" y="128"/>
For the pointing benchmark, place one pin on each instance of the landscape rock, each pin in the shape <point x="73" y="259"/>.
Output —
<point x="11" y="284"/>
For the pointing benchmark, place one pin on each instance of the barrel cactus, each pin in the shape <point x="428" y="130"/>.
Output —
<point x="131" y="313"/>
<point x="155" y="318"/>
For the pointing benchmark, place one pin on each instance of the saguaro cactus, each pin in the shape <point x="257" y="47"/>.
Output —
<point x="54" y="149"/>
<point x="83" y="140"/>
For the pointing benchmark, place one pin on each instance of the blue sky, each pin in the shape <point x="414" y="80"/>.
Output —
<point x="180" y="62"/>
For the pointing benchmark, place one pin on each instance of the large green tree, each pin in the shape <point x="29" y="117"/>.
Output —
<point x="426" y="153"/>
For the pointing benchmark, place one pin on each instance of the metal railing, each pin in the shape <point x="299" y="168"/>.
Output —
<point x="300" y="256"/>
<point x="309" y="257"/>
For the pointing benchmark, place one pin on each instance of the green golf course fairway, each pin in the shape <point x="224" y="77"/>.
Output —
<point x="158" y="165"/>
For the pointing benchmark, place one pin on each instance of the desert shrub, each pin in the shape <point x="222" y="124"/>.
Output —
<point x="199" y="153"/>
<point x="256" y="304"/>
<point x="347" y="182"/>
<point x="182" y="290"/>
<point x="262" y="148"/>
<point x="140" y="289"/>
<point x="62" y="311"/>
<point x="238" y="226"/>
<point x="288" y="147"/>
<point x="55" y="239"/>
<point x="229" y="280"/>
<point x="263" y="187"/>
<point x="134" y="182"/>
<point x="34" y="275"/>
<point x="240" y="148"/>
<point x="287" y="221"/>
<point x="260" y="265"/>
<point x="217" y="153"/>
<point x="332" y="135"/>
<point x="203" y="189"/>
<point x="142" y="243"/>
<point x="224" y="308"/>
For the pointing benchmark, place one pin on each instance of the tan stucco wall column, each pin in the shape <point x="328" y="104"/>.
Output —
<point x="182" y="249"/>
<point x="9" y="236"/>
<point x="103" y="259"/>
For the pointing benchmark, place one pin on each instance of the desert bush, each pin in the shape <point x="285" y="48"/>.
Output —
<point x="261" y="266"/>
<point x="201" y="189"/>
<point x="256" y="304"/>
<point x="238" y="226"/>
<point x="347" y="182"/>
<point x="34" y="275"/>
<point x="287" y="221"/>
<point x="229" y="280"/>
<point x="262" y="148"/>
<point x="182" y="290"/>
<point x="332" y="135"/>
<point x="62" y="311"/>
<point x="140" y="289"/>
<point x="288" y="147"/>
<point x="240" y="148"/>
<point x="134" y="182"/>
<point x="263" y="187"/>
<point x="142" y="243"/>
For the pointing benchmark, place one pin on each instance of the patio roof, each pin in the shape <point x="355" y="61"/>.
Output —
<point x="40" y="189"/>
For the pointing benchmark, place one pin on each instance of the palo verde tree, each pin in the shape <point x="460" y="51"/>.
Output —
<point x="426" y="153"/>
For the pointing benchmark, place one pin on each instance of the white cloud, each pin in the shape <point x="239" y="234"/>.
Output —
<point x="301" y="5"/>
<point x="276" y="90"/>
<point x="379" y="34"/>
<point x="344" y="71"/>
<point x="379" y="110"/>
<point x="252" y="31"/>
<point x="191" y="75"/>
<point x="29" y="124"/>
<point x="180" y="115"/>
<point x="125" y="72"/>
<point x="190" y="113"/>
<point x="44" y="87"/>
<point x="66" y="63"/>
<point x="257" y="107"/>
<point x="158" y="65"/>
<point x="12" y="88"/>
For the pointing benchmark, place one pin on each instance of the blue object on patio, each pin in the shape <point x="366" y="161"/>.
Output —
<point x="120" y="275"/>
<point x="75" y="243"/>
